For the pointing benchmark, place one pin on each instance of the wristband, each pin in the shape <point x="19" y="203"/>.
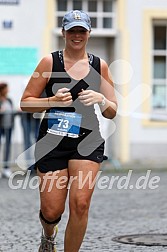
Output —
<point x="103" y="101"/>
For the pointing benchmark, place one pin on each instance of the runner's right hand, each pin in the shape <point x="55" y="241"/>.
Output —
<point x="62" y="98"/>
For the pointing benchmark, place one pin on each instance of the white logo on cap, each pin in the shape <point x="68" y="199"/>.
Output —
<point x="77" y="16"/>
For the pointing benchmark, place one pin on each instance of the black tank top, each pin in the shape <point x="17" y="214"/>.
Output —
<point x="60" y="78"/>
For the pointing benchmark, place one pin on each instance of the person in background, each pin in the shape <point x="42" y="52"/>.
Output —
<point x="6" y="126"/>
<point x="30" y="127"/>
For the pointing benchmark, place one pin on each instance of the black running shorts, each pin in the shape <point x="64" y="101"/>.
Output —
<point x="51" y="158"/>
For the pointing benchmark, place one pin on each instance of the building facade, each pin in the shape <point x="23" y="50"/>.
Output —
<point x="130" y="35"/>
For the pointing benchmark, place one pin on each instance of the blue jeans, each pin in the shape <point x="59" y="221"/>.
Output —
<point x="6" y="133"/>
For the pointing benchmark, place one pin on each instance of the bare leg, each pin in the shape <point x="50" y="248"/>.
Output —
<point x="79" y="202"/>
<point x="53" y="193"/>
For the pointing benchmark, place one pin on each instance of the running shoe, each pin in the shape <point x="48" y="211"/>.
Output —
<point x="48" y="243"/>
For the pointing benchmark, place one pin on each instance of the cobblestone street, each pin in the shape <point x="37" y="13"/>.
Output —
<point x="114" y="211"/>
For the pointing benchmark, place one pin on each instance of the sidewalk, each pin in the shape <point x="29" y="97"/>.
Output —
<point x="113" y="212"/>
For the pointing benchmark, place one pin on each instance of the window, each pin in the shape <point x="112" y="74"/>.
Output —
<point x="159" y="37"/>
<point x="159" y="86"/>
<point x="9" y="2"/>
<point x="159" y="67"/>
<point x="94" y="22"/>
<point x="107" y="22"/>
<point x="77" y="5"/>
<point x="7" y="24"/>
<point x="60" y="21"/>
<point x="101" y="12"/>
<point x="92" y="6"/>
<point x="62" y="5"/>
<point x="107" y="6"/>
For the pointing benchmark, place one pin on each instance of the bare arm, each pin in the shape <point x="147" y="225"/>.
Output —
<point x="106" y="94"/>
<point x="31" y="100"/>
<point x="107" y="90"/>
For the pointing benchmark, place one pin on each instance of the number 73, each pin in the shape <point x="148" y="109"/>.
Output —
<point x="63" y="123"/>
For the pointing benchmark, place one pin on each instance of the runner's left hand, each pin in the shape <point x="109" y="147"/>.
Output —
<point x="90" y="97"/>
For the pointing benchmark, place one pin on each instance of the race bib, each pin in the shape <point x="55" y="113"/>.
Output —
<point x="64" y="123"/>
